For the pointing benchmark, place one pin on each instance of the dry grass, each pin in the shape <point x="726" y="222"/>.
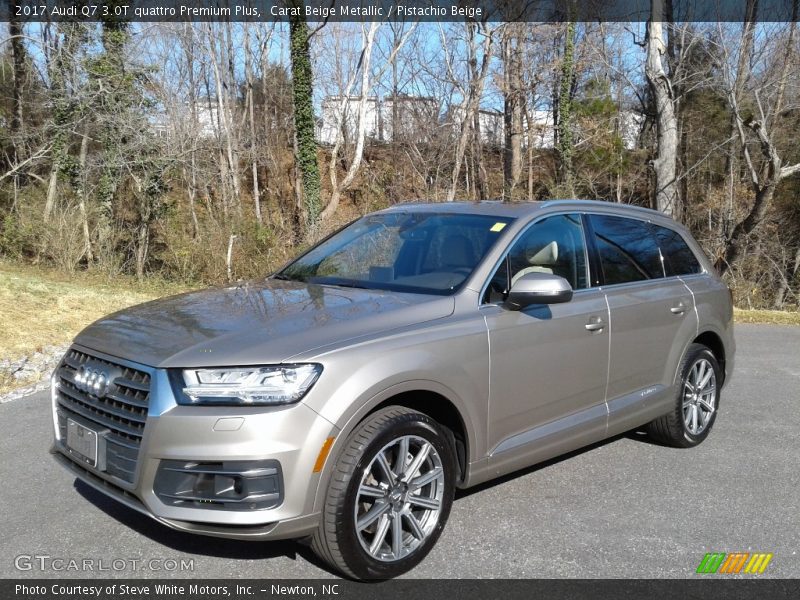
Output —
<point x="776" y="317"/>
<point x="40" y="307"/>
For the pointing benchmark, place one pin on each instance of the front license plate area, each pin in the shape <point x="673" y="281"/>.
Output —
<point x="82" y="441"/>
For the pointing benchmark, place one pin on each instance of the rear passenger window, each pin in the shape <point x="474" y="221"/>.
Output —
<point x="678" y="257"/>
<point x="628" y="251"/>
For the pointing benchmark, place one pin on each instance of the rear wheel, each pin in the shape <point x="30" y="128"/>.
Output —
<point x="696" y="404"/>
<point x="389" y="496"/>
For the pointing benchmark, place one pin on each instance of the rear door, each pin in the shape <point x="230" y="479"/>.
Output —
<point x="711" y="296"/>
<point x="650" y="317"/>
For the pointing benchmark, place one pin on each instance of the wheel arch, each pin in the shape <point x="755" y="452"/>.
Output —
<point x="427" y="397"/>
<point x="440" y="409"/>
<point x="713" y="342"/>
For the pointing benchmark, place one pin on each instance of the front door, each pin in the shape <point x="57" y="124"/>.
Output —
<point x="549" y="363"/>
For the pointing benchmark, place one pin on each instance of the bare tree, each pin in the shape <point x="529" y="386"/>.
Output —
<point x="250" y="61"/>
<point x="513" y="106"/>
<point x="741" y="78"/>
<point x="471" y="94"/>
<point x="367" y="78"/>
<point x="764" y="175"/>
<point x="220" y="54"/>
<point x="665" y="162"/>
<point x="368" y="36"/>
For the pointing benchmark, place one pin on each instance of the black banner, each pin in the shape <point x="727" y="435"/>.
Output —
<point x="704" y="588"/>
<point x="394" y="10"/>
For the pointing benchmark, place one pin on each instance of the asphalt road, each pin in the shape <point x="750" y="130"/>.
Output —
<point x="625" y="508"/>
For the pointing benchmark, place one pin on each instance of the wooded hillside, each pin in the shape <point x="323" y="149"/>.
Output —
<point x="193" y="150"/>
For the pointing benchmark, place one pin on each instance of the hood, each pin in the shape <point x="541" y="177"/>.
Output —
<point x="254" y="323"/>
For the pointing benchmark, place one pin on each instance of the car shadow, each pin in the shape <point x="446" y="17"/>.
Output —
<point x="534" y="468"/>
<point x="640" y="435"/>
<point x="187" y="542"/>
<point x="253" y="550"/>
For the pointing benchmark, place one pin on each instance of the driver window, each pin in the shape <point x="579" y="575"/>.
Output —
<point x="553" y="245"/>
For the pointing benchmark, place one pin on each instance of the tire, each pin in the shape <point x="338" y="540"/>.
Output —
<point x="694" y="414"/>
<point x="356" y="535"/>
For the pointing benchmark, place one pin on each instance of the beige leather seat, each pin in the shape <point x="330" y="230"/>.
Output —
<point x="542" y="261"/>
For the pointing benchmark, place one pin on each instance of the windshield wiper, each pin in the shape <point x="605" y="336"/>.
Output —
<point x="282" y="277"/>
<point x="347" y="283"/>
<point x="351" y="285"/>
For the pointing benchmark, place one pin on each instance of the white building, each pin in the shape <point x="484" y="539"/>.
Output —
<point x="416" y="117"/>
<point x="630" y="128"/>
<point x="540" y="132"/>
<point x="341" y="114"/>
<point x="179" y="120"/>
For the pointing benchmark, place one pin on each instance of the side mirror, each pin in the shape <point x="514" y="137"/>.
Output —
<point x="538" y="288"/>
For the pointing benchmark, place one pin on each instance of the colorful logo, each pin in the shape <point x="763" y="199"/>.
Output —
<point x="735" y="562"/>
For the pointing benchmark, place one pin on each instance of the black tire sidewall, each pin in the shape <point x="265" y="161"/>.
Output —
<point x="695" y="354"/>
<point x="362" y="564"/>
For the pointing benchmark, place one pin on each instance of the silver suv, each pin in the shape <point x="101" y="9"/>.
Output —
<point x="418" y="350"/>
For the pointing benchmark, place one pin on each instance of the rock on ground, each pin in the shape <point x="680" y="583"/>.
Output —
<point x="33" y="370"/>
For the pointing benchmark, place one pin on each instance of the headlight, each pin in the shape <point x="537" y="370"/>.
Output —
<point x="249" y="386"/>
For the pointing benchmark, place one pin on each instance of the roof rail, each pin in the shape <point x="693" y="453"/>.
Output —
<point x="598" y="203"/>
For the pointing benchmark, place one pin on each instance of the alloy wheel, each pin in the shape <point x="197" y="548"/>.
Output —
<point x="699" y="396"/>
<point x="399" y="498"/>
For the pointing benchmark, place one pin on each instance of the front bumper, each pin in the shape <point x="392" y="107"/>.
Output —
<point x="289" y="437"/>
<point x="289" y="528"/>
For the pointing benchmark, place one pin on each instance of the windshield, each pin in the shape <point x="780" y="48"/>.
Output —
<point x="429" y="253"/>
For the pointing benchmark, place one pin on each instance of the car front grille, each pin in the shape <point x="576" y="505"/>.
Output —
<point x="118" y="413"/>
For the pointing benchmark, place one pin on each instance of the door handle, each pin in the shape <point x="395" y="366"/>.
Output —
<point x="679" y="309"/>
<point x="595" y="325"/>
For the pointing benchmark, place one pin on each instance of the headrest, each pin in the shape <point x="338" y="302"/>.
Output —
<point x="547" y="256"/>
<point x="458" y="251"/>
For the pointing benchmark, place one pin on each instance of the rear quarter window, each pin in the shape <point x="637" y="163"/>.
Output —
<point x="678" y="257"/>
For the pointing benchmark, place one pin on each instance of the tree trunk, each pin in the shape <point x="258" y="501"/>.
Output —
<point x="18" y="58"/>
<point x="665" y="163"/>
<point x="786" y="281"/>
<point x="306" y="145"/>
<point x="482" y="180"/>
<point x="229" y="152"/>
<point x="252" y="121"/>
<point x="52" y="189"/>
<point x="529" y="152"/>
<point x="191" y="190"/>
<point x="229" y="258"/>
<point x="566" y="143"/>
<point x="82" y="197"/>
<point x="512" y="108"/>
<point x="734" y="147"/>
<point x="142" y="248"/>
<point x="471" y="104"/>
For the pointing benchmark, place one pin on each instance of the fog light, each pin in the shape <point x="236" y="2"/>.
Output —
<point x="230" y="485"/>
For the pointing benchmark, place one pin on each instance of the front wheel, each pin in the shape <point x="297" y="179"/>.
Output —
<point x="697" y="401"/>
<point x="389" y="496"/>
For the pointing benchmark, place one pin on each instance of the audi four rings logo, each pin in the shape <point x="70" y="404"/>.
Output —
<point x="92" y="380"/>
